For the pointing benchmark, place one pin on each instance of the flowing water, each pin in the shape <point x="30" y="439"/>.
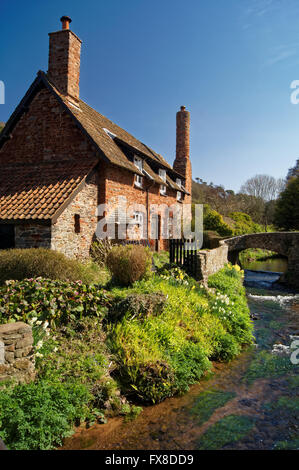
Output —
<point x="250" y="403"/>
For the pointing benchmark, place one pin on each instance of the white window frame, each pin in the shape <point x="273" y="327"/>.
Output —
<point x="179" y="182"/>
<point x="138" y="162"/>
<point x="163" y="189"/>
<point x="178" y="196"/>
<point x="138" y="218"/>
<point x="138" y="181"/>
<point x="162" y="174"/>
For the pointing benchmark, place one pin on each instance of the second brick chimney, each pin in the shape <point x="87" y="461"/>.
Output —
<point x="182" y="162"/>
<point x="64" y="61"/>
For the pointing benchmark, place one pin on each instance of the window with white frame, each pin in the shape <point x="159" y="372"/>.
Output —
<point x="138" y="163"/>
<point x="138" y="218"/>
<point x="138" y="181"/>
<point x="162" y="174"/>
<point x="179" y="182"/>
<point x="179" y="196"/>
<point x="163" y="189"/>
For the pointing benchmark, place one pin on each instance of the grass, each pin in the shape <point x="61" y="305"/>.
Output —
<point x="209" y="401"/>
<point x="229" y="429"/>
<point x="257" y="254"/>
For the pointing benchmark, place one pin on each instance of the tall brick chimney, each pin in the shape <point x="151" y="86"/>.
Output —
<point x="182" y="162"/>
<point x="64" y="61"/>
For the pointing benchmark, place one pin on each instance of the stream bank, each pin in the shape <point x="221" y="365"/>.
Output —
<point x="250" y="403"/>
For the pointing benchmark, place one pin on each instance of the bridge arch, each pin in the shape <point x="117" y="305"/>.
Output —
<point x="283" y="243"/>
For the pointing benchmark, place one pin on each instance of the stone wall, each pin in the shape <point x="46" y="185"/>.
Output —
<point x="210" y="261"/>
<point x="16" y="352"/>
<point x="32" y="236"/>
<point x="64" y="236"/>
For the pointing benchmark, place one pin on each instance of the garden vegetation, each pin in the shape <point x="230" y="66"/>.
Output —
<point x="99" y="346"/>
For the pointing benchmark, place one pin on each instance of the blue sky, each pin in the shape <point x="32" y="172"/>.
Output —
<point x="230" y="62"/>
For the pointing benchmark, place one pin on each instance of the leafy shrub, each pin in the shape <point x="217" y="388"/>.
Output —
<point x="39" y="415"/>
<point x="214" y="221"/>
<point x="55" y="301"/>
<point x="141" y="305"/>
<point x="244" y="224"/>
<point x="100" y="250"/>
<point x="21" y="264"/>
<point x="129" y="263"/>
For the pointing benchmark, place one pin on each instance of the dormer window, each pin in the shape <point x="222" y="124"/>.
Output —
<point x="179" y="182"/>
<point x="138" y="163"/>
<point x="162" y="174"/>
<point x="163" y="189"/>
<point x="138" y="181"/>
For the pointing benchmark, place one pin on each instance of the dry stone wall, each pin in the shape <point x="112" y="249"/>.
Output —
<point x="16" y="352"/>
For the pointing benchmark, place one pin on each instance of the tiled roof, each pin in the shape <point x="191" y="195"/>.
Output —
<point x="38" y="191"/>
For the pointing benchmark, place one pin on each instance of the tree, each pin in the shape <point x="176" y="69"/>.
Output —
<point x="263" y="190"/>
<point x="287" y="207"/>
<point x="293" y="171"/>
<point x="263" y="187"/>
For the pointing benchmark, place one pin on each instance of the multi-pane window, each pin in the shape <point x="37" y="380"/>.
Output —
<point x="179" y="182"/>
<point x="138" y="181"/>
<point x="138" y="163"/>
<point x="162" y="174"/>
<point x="138" y="218"/>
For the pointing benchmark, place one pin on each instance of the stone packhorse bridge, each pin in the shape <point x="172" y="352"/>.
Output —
<point x="283" y="243"/>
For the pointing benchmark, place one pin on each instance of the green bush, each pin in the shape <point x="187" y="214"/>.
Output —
<point x="211" y="239"/>
<point x="244" y="224"/>
<point x="21" y="264"/>
<point x="55" y="301"/>
<point x="39" y="415"/>
<point x="129" y="263"/>
<point x="213" y="221"/>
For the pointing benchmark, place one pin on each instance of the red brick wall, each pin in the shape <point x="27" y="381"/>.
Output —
<point x="182" y="162"/>
<point x="120" y="182"/>
<point x="45" y="133"/>
<point x="64" y="62"/>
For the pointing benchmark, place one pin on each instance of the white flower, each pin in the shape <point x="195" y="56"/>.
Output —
<point x="45" y="325"/>
<point x="39" y="323"/>
<point x="39" y="354"/>
<point x="39" y="345"/>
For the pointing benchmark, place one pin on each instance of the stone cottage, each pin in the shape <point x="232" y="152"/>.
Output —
<point x="60" y="159"/>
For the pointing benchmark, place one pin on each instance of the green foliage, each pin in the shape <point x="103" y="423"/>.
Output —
<point x="244" y="224"/>
<point x="170" y="350"/>
<point x="213" y="221"/>
<point x="230" y="306"/>
<point x="19" y="264"/>
<point x="74" y="353"/>
<point x="55" y="301"/>
<point x="160" y="258"/>
<point x="141" y="305"/>
<point x="229" y="429"/>
<point x="209" y="401"/>
<point x="39" y="415"/>
<point x="129" y="263"/>
<point x="287" y="207"/>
